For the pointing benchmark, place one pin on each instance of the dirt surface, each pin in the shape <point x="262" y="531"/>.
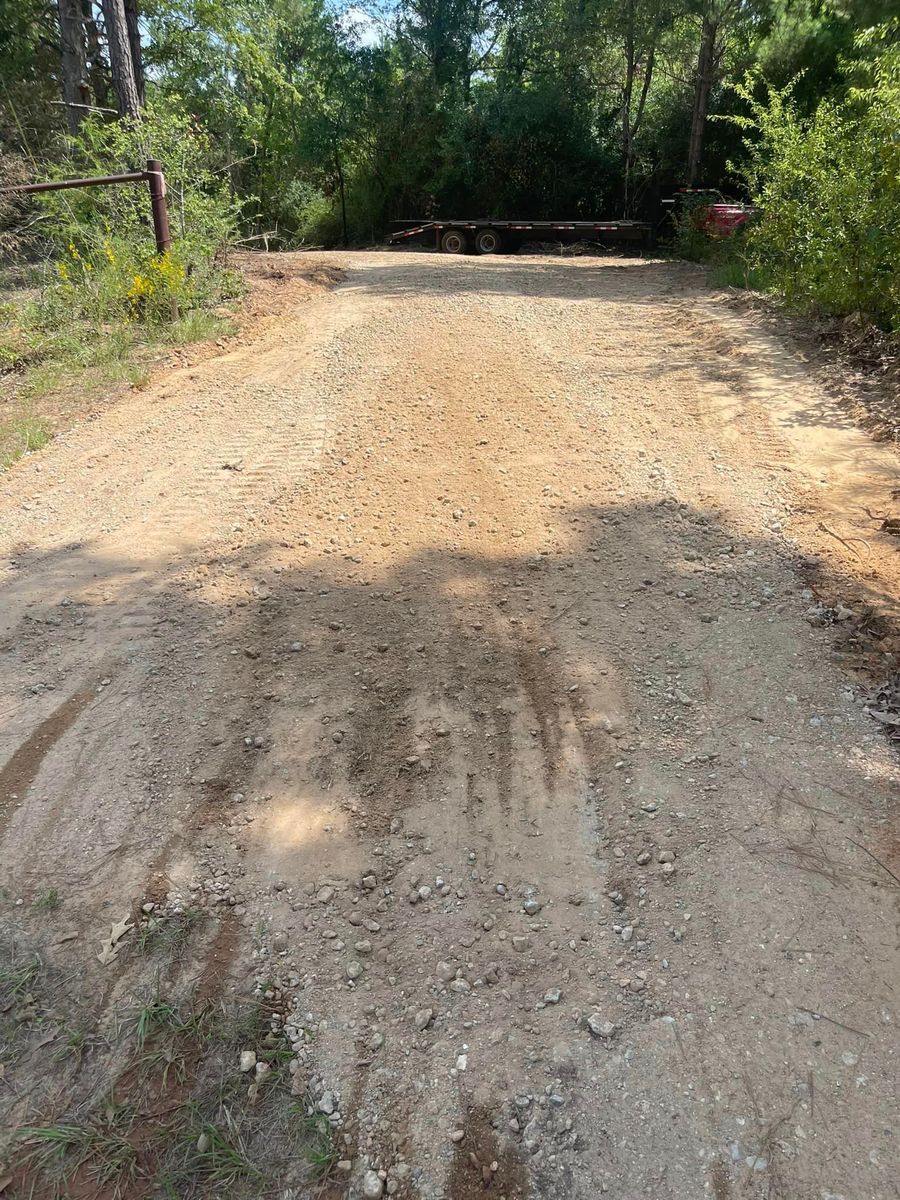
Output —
<point x="469" y="648"/>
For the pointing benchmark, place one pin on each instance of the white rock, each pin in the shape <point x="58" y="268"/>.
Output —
<point x="600" y="1028"/>
<point x="423" y="1018"/>
<point x="372" y="1186"/>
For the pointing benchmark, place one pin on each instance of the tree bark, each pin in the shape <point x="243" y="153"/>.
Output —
<point x="706" y="65"/>
<point x="75" y="90"/>
<point x="120" y="59"/>
<point x="637" y="59"/>
<point x="134" y="41"/>
<point x="340" y="175"/>
<point x="97" y="67"/>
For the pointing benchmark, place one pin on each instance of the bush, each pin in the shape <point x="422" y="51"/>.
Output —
<point x="104" y="264"/>
<point x="309" y="213"/>
<point x="829" y="191"/>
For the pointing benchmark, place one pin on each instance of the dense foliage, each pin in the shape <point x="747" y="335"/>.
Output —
<point x="309" y="124"/>
<point x="828" y="188"/>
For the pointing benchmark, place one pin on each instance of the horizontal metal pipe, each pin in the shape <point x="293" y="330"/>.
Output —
<point x="59" y="184"/>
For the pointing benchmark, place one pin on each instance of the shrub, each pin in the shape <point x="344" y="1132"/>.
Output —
<point x="104" y="264"/>
<point x="829" y="191"/>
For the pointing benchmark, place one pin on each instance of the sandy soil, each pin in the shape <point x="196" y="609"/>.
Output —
<point x="469" y="644"/>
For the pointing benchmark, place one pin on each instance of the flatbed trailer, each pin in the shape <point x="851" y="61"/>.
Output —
<point x="485" y="236"/>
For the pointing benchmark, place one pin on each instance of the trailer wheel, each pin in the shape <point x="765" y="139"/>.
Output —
<point x="488" y="241"/>
<point x="454" y="242"/>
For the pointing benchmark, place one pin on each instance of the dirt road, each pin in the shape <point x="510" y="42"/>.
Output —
<point x="454" y="667"/>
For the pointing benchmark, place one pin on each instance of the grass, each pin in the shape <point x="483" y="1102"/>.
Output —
<point x="157" y="1017"/>
<point x="167" y="1062"/>
<point x="77" y="1042"/>
<point x="104" y="1154"/>
<point x="320" y="1151"/>
<point x="198" y="325"/>
<point x="218" y="1133"/>
<point x="17" y="980"/>
<point x="733" y="270"/>
<point x="208" y="1157"/>
<point x="169" y="933"/>
<point x="48" y="901"/>
<point x="21" y="435"/>
<point x="59" y="364"/>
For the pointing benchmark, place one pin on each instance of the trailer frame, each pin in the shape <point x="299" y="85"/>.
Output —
<point x="488" y="236"/>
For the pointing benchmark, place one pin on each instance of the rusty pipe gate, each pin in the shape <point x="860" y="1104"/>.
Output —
<point x="153" y="176"/>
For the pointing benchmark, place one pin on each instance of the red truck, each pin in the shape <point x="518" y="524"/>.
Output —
<point x="713" y="214"/>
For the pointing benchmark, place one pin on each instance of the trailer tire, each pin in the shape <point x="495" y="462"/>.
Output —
<point x="454" y="241"/>
<point x="488" y="241"/>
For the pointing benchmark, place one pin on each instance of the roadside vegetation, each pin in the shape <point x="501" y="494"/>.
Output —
<point x="86" y="303"/>
<point x="826" y="184"/>
<point x="156" y="1099"/>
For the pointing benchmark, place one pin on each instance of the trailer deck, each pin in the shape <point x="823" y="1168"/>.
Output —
<point x="486" y="236"/>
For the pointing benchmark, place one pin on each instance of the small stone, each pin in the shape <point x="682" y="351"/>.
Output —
<point x="363" y="947"/>
<point x="280" y="942"/>
<point x="372" y="1186"/>
<point x="248" y="1060"/>
<point x="325" y="895"/>
<point x="668" y="868"/>
<point x="532" y="906"/>
<point x="643" y="858"/>
<point x="424" y="892"/>
<point x="376" y="1041"/>
<point x="457" y="1135"/>
<point x="553" y="996"/>
<point x="666" y="856"/>
<point x="345" y="1166"/>
<point x="204" y="1141"/>
<point x="262" y="1070"/>
<point x="650" y="807"/>
<point x="600" y="1028"/>
<point x="520" y="943"/>
<point x="445" y="971"/>
<point x="369" y="883"/>
<point x="627" y="933"/>
<point x="422" y="1018"/>
<point x="354" y="969"/>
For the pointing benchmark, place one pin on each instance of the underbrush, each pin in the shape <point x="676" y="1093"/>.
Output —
<point x="49" y="360"/>
<point x="153" y="1098"/>
<point x="97" y="300"/>
<point x="729" y="257"/>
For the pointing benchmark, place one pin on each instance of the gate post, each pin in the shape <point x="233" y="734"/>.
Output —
<point x="157" y="182"/>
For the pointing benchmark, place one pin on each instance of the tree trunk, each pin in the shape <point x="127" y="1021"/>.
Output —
<point x="120" y="59"/>
<point x="627" y="92"/>
<point x="97" y="67"/>
<point x="706" y="65"/>
<point x="340" y="175"/>
<point x="134" y="41"/>
<point x="75" y="90"/>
